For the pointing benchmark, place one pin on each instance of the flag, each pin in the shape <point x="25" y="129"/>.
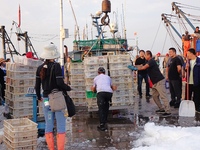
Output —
<point x="19" y="17"/>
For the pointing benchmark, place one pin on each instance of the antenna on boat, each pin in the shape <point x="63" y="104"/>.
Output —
<point x="113" y="26"/>
<point x="124" y="21"/>
<point x="77" y="27"/>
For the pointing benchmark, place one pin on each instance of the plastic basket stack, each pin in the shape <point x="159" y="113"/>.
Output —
<point x="20" y="134"/>
<point x="77" y="81"/>
<point x="19" y="77"/>
<point x="91" y="65"/>
<point x="121" y="77"/>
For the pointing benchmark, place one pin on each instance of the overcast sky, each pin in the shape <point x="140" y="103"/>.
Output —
<point x="41" y="19"/>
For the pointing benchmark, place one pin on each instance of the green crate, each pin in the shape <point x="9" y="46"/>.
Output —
<point x="90" y="94"/>
<point x="76" y="61"/>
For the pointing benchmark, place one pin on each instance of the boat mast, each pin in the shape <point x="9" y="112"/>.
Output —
<point x="61" y="34"/>
<point x="124" y="21"/>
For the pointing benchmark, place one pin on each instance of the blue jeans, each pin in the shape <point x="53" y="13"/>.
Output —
<point x="140" y="78"/>
<point x="49" y="119"/>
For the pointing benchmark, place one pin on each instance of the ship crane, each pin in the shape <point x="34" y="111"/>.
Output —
<point x="7" y="42"/>
<point x="168" y="23"/>
<point x="178" y="11"/>
<point x="188" y="18"/>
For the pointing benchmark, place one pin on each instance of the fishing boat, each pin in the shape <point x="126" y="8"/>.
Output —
<point x="110" y="53"/>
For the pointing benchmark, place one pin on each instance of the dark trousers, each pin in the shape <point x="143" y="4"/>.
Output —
<point x="140" y="78"/>
<point x="175" y="88"/>
<point x="195" y="90"/>
<point x="103" y="99"/>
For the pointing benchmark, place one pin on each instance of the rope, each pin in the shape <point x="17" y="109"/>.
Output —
<point x="164" y="43"/>
<point x="99" y="38"/>
<point x="173" y="39"/>
<point x="156" y="35"/>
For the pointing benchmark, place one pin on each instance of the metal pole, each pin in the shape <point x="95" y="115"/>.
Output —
<point x="3" y="41"/>
<point x="61" y="32"/>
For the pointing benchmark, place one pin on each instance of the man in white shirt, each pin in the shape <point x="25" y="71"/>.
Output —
<point x="193" y="66"/>
<point x="104" y="88"/>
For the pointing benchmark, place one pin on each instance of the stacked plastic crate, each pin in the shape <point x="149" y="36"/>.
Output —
<point x="121" y="77"/>
<point x="20" y="134"/>
<point x="20" y="76"/>
<point x="91" y="65"/>
<point x="77" y="82"/>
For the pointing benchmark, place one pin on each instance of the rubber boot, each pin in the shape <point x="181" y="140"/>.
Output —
<point x="61" y="141"/>
<point x="50" y="140"/>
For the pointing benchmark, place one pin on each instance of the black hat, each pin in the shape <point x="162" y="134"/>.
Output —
<point x="101" y="70"/>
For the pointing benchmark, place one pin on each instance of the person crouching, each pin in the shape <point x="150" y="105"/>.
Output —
<point x="104" y="88"/>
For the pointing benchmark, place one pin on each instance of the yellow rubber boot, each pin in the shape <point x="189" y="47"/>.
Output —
<point x="61" y="141"/>
<point x="50" y="140"/>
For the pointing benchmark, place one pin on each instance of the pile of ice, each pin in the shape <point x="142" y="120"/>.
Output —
<point x="168" y="138"/>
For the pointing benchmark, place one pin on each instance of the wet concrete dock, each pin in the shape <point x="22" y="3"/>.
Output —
<point x="124" y="126"/>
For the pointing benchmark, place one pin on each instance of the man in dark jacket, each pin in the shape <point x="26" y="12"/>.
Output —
<point x="193" y="66"/>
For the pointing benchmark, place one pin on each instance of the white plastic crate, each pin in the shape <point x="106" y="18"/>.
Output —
<point x="78" y="82"/>
<point x="94" y="67"/>
<point x="91" y="101"/>
<point x="123" y="99"/>
<point x="88" y="87"/>
<point x="77" y="71"/>
<point x="115" y="66"/>
<point x="15" y="96"/>
<point x="20" y="134"/>
<point x="77" y="88"/>
<point x="20" y="67"/>
<point x="20" y="74"/>
<point x="19" y="59"/>
<point x="91" y="74"/>
<point x="119" y="58"/>
<point x="89" y="81"/>
<point x="96" y="60"/>
<point x="77" y="94"/>
<point x="76" y="65"/>
<point x="125" y="85"/>
<point x="21" y="103"/>
<point x="12" y="146"/>
<point x="79" y="101"/>
<point x="17" y="89"/>
<point x="20" y="82"/>
<point x="18" y="125"/>
<point x="90" y="60"/>
<point x="122" y="79"/>
<point x="129" y="98"/>
<point x="120" y="72"/>
<point x="18" y="137"/>
<point x="76" y="77"/>
<point x="117" y="100"/>
<point x="102" y="59"/>
<point x="32" y="62"/>
<point x="21" y="112"/>
<point x="124" y="92"/>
